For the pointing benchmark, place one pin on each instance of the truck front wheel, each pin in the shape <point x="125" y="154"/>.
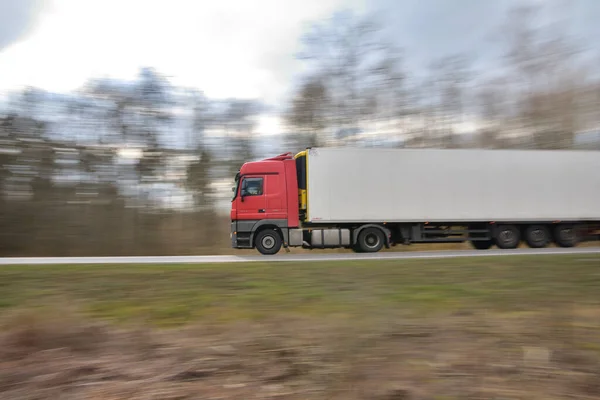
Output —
<point x="268" y="242"/>
<point x="371" y="240"/>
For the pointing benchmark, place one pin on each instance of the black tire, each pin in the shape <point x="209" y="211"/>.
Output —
<point x="537" y="236"/>
<point x="268" y="242"/>
<point x="565" y="235"/>
<point x="508" y="237"/>
<point x="356" y="249"/>
<point x="482" y="244"/>
<point x="371" y="240"/>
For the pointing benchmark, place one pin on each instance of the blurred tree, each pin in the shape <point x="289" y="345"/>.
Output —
<point x="152" y="161"/>
<point x="309" y="112"/>
<point x="239" y="121"/>
<point x="393" y="101"/>
<point x="202" y="118"/>
<point x="492" y="107"/>
<point x="198" y="179"/>
<point x="346" y="57"/>
<point x="450" y="80"/>
<point x="547" y="71"/>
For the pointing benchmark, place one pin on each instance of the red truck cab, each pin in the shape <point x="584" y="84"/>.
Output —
<point x="265" y="203"/>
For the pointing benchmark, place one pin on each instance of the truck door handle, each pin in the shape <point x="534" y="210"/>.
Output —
<point x="262" y="210"/>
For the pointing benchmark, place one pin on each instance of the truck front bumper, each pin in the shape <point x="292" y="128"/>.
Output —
<point x="239" y="240"/>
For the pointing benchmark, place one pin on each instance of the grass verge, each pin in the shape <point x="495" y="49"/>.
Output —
<point x="171" y="295"/>
<point x="488" y="328"/>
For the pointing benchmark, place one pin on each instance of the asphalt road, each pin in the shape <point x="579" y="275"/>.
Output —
<point x="283" y="257"/>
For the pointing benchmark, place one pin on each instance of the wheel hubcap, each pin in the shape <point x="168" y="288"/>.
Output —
<point x="538" y="235"/>
<point x="566" y="234"/>
<point x="372" y="240"/>
<point x="507" y="236"/>
<point x="268" y="242"/>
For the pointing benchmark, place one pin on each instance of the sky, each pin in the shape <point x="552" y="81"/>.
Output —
<point x="429" y="29"/>
<point x="228" y="48"/>
<point x="233" y="48"/>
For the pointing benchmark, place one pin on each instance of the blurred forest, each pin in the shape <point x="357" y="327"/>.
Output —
<point x="145" y="168"/>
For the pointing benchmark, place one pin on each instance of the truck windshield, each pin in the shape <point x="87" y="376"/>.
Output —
<point x="236" y="186"/>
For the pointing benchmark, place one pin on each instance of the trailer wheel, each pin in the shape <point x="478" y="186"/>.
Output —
<point x="268" y="242"/>
<point x="566" y="235"/>
<point x="371" y="240"/>
<point x="508" y="237"/>
<point x="537" y="236"/>
<point x="482" y="244"/>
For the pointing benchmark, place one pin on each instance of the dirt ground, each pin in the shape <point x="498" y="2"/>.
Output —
<point x="555" y="355"/>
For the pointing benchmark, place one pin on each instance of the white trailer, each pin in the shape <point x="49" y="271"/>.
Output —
<point x="420" y="185"/>
<point x="487" y="197"/>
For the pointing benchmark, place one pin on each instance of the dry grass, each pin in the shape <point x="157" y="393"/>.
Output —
<point x="478" y="356"/>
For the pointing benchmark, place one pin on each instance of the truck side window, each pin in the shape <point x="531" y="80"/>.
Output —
<point x="252" y="187"/>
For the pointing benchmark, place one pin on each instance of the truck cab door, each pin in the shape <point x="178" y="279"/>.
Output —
<point x="276" y="197"/>
<point x="251" y="202"/>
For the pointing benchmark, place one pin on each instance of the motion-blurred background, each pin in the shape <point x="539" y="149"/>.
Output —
<point x="122" y="123"/>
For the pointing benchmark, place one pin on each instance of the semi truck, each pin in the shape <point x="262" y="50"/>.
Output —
<point x="368" y="199"/>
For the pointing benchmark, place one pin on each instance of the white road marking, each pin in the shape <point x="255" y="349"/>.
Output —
<point x="292" y="258"/>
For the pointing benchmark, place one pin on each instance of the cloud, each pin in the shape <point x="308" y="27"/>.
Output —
<point x="431" y="29"/>
<point x="17" y="18"/>
<point x="230" y="48"/>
